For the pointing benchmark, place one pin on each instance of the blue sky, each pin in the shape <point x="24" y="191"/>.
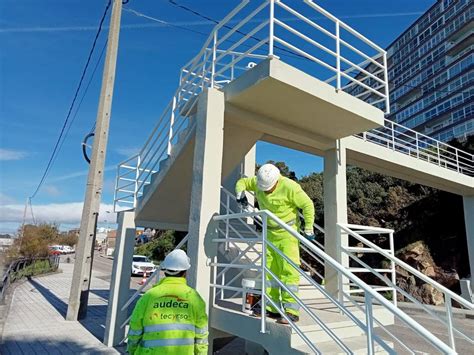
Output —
<point x="43" y="48"/>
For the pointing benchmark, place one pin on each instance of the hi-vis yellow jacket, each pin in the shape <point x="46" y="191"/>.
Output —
<point x="284" y="202"/>
<point x="169" y="319"/>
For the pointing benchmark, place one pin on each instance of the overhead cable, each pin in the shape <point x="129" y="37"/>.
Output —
<point x="84" y="71"/>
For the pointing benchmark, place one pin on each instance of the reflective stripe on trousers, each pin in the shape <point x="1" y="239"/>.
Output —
<point x="276" y="284"/>
<point x="294" y="306"/>
<point x="167" y="342"/>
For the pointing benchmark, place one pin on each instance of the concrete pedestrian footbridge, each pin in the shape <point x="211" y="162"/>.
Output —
<point x="270" y="72"/>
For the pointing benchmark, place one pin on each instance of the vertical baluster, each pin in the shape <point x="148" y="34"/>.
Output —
<point x="137" y="179"/>
<point x="387" y="92"/>
<point x="214" y="55"/>
<point x="271" y="28"/>
<point x="393" y="135"/>
<point x="393" y="268"/>
<point x="227" y="206"/>
<point x="338" y="56"/>
<point x="264" y="274"/>
<point x="170" y="134"/>
<point x="369" y="321"/>
<point x="449" y="318"/>
<point x="417" y="146"/>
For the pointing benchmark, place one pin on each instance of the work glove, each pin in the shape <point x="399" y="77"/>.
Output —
<point x="309" y="234"/>
<point x="242" y="199"/>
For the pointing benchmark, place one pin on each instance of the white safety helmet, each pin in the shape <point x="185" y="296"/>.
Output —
<point x="175" y="262"/>
<point x="267" y="177"/>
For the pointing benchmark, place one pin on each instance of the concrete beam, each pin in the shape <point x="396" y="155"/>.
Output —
<point x="335" y="209"/>
<point x="120" y="281"/>
<point x="206" y="189"/>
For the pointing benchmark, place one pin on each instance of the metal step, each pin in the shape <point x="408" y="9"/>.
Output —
<point x="358" y="345"/>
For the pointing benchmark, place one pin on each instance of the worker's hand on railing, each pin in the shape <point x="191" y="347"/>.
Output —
<point x="309" y="234"/>
<point x="242" y="199"/>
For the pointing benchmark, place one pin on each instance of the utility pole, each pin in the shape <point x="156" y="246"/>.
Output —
<point x="79" y="294"/>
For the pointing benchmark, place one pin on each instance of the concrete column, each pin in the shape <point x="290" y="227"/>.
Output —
<point x="335" y="209"/>
<point x="120" y="281"/>
<point x="205" y="193"/>
<point x="468" y="202"/>
<point x="248" y="168"/>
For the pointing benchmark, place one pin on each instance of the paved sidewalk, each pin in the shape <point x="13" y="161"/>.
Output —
<point x="36" y="320"/>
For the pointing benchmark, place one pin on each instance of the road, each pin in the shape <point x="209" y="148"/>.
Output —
<point x="103" y="265"/>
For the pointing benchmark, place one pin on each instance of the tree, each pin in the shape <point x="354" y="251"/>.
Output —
<point x="159" y="246"/>
<point x="69" y="238"/>
<point x="33" y="241"/>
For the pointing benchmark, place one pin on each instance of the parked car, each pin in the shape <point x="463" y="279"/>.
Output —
<point x="55" y="250"/>
<point x="67" y="249"/>
<point x="141" y="264"/>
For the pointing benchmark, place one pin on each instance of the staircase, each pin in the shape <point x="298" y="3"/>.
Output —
<point x="243" y="57"/>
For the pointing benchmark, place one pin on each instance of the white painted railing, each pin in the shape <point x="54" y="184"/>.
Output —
<point x="407" y="141"/>
<point x="446" y="319"/>
<point x="259" y="265"/>
<point x="303" y="35"/>
<point x="357" y="252"/>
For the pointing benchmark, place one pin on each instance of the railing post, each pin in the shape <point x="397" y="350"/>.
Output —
<point x="393" y="135"/>
<point x="457" y="160"/>
<point x="393" y="268"/>
<point x="369" y="321"/>
<point x="271" y="28"/>
<point x="449" y="318"/>
<point x="214" y="56"/>
<point x="387" y="91"/>
<point x="338" y="57"/>
<point x="170" y="134"/>
<point x="137" y="179"/>
<point x="339" y="258"/>
<point x="263" y="301"/>
<point x="116" y="188"/>
<point x="438" y="153"/>
<point x="227" y="206"/>
<point x="417" y="146"/>
<point x="232" y="58"/>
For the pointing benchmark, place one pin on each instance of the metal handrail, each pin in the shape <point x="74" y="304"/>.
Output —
<point x="448" y="294"/>
<point x="18" y="265"/>
<point x="346" y="228"/>
<point x="407" y="141"/>
<point x="342" y="271"/>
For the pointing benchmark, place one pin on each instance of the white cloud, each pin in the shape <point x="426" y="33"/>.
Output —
<point x="51" y="190"/>
<point x="78" y="174"/>
<point x="6" y="200"/>
<point x="10" y="154"/>
<point x="128" y="151"/>
<point x="62" y="213"/>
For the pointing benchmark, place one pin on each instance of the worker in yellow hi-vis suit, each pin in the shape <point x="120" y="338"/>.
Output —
<point x="283" y="197"/>
<point x="171" y="317"/>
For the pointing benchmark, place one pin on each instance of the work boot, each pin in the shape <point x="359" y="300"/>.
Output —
<point x="292" y="317"/>
<point x="269" y="314"/>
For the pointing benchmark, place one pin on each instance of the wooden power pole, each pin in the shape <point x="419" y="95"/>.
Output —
<point x="79" y="294"/>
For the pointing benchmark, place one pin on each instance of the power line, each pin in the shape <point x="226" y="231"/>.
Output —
<point x="84" y="95"/>
<point x="139" y="14"/>
<point x="56" y="146"/>
<point x="290" y="53"/>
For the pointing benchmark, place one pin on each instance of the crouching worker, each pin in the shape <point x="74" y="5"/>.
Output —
<point x="170" y="318"/>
